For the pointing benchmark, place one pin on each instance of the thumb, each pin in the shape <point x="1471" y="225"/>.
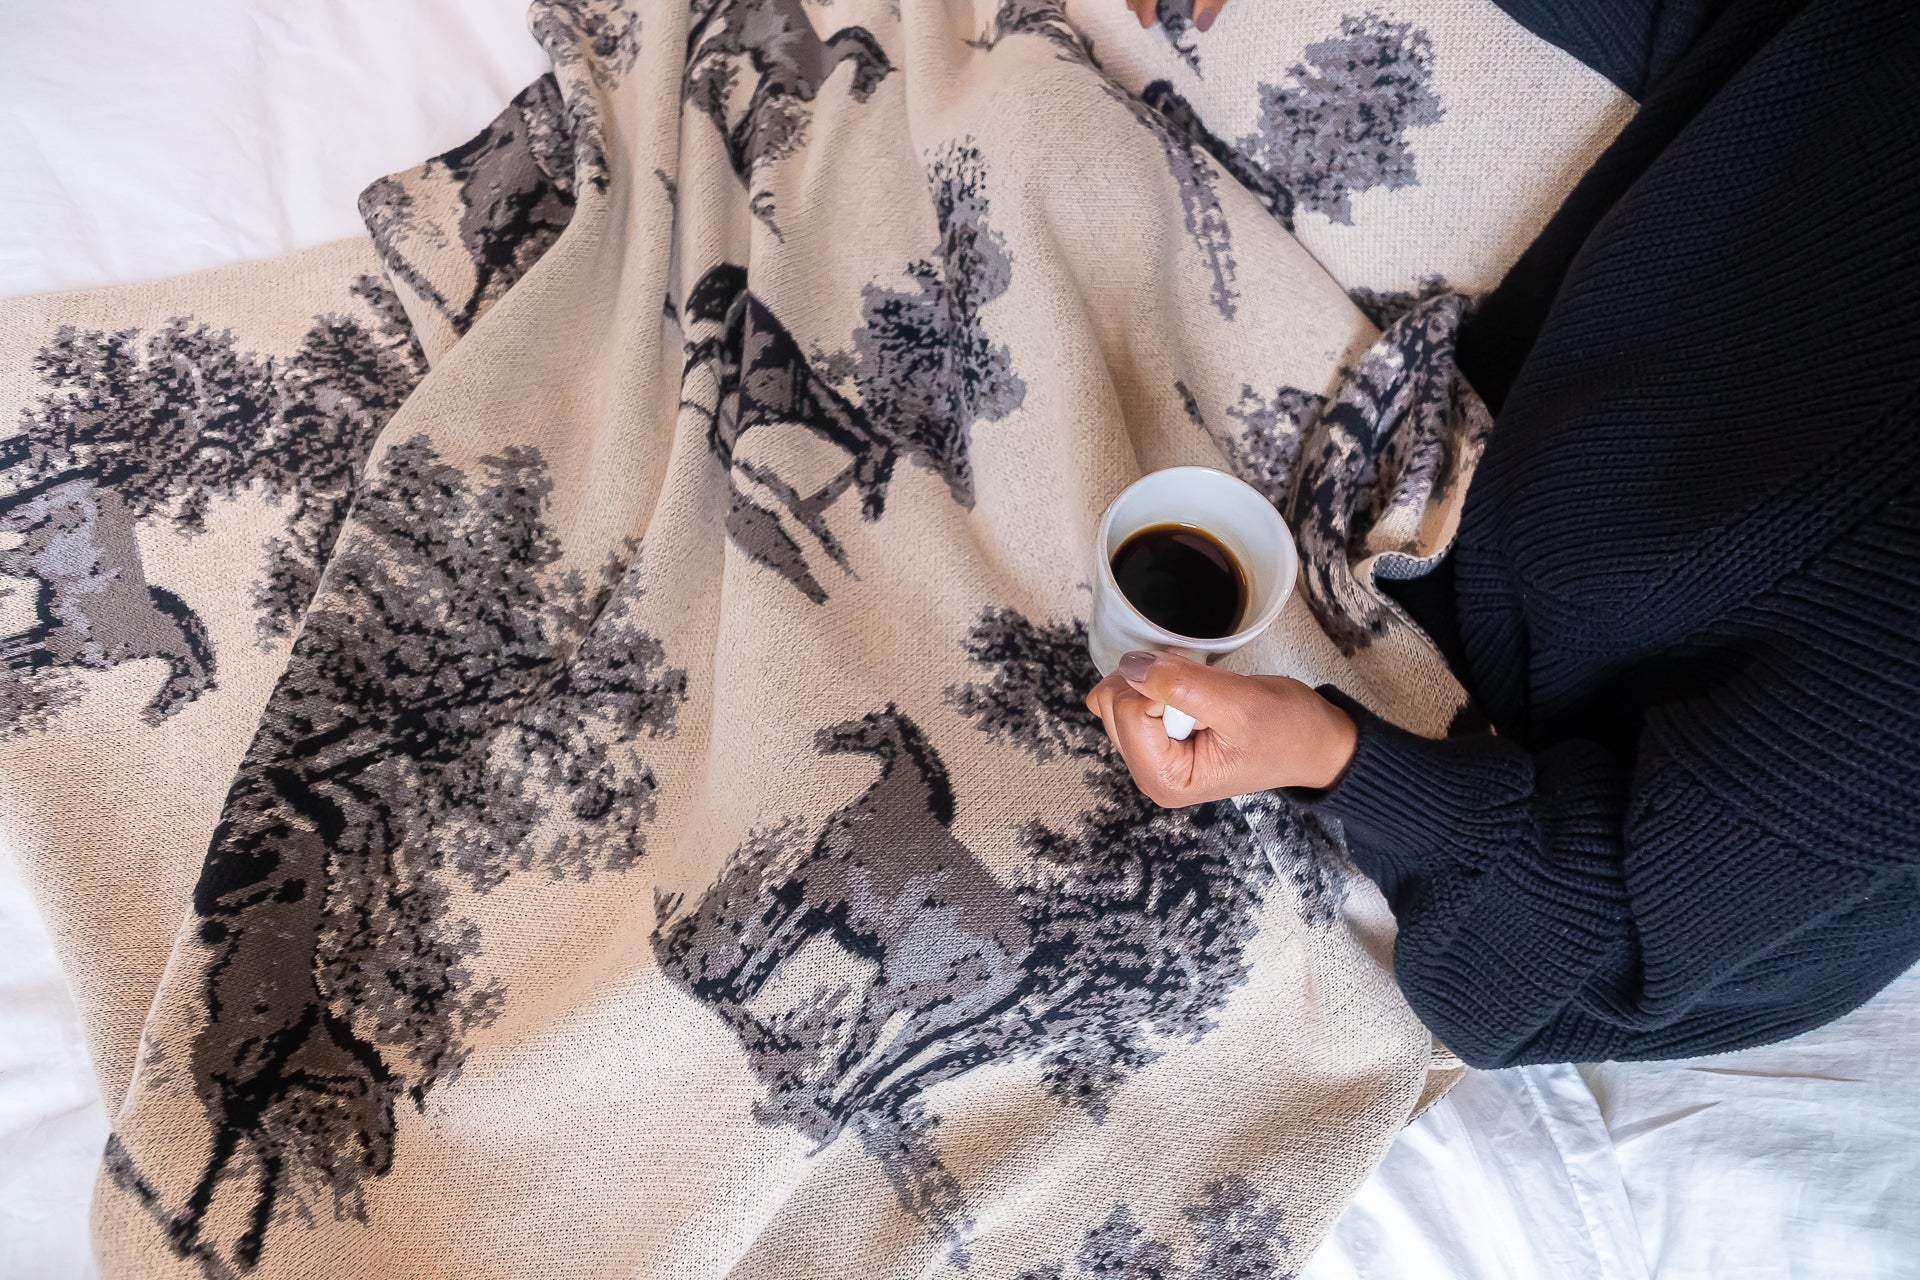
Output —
<point x="1211" y="697"/>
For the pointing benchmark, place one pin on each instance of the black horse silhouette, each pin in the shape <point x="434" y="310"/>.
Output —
<point x="93" y="606"/>
<point x="297" y="1098"/>
<point x="514" y="182"/>
<point x="754" y="373"/>
<point x="790" y="62"/>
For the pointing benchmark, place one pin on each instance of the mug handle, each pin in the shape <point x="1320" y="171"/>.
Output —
<point x="1176" y="722"/>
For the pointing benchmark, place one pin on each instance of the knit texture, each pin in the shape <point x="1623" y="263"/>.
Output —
<point x="1496" y="339"/>
<point x="1688" y="597"/>
<point x="1633" y="43"/>
<point x="551" y="738"/>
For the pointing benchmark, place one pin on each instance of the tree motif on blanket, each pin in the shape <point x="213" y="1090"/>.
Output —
<point x="868" y="957"/>
<point x="923" y="361"/>
<point x="591" y="42"/>
<point x="130" y="433"/>
<point x="605" y="34"/>
<point x="458" y="709"/>
<point x="1233" y="1234"/>
<point x="922" y="367"/>
<point x="1265" y="448"/>
<point x="465" y="227"/>
<point x="772" y="44"/>
<point x="1339" y="125"/>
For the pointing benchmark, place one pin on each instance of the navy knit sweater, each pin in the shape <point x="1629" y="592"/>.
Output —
<point x="1686" y="594"/>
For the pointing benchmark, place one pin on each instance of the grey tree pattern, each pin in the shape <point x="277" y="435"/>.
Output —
<point x="130" y="431"/>
<point x="922" y="365"/>
<point x="923" y="361"/>
<point x="1303" y="852"/>
<point x="1265" y="448"/>
<point x="603" y="35"/>
<point x="588" y="40"/>
<point x="1233" y="1233"/>
<point x="1339" y="125"/>
<point x="457" y="709"/>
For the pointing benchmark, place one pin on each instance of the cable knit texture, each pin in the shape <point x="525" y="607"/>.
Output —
<point x="1687" y="592"/>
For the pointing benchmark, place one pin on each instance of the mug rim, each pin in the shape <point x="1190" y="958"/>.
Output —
<point x="1222" y="644"/>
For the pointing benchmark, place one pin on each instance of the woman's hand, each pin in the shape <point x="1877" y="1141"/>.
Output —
<point x="1204" y="11"/>
<point x="1257" y="731"/>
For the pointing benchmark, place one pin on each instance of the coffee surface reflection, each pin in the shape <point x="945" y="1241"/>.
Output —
<point x="1184" y="579"/>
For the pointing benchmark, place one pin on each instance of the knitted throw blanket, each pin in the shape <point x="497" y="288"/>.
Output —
<point x="550" y="739"/>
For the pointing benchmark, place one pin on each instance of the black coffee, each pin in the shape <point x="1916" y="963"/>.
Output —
<point x="1182" y="579"/>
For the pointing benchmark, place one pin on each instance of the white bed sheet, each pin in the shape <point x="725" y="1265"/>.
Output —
<point x="140" y="141"/>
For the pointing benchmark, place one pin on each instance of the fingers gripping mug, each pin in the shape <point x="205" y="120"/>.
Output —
<point x="1191" y="561"/>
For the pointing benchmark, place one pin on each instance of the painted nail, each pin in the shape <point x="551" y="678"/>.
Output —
<point x="1135" y="665"/>
<point x="1205" y="20"/>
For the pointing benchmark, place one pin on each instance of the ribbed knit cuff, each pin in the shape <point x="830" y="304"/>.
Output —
<point x="1410" y="804"/>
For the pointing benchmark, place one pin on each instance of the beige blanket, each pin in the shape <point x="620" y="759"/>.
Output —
<point x="550" y="740"/>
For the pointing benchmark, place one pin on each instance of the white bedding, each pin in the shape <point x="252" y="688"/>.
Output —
<point x="139" y="141"/>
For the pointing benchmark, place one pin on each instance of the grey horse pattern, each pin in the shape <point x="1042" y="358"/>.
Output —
<point x="744" y="370"/>
<point x="771" y="44"/>
<point x="458" y="709"/>
<point x="1126" y="924"/>
<point x="130" y="431"/>
<point x="94" y="607"/>
<point x="922" y="372"/>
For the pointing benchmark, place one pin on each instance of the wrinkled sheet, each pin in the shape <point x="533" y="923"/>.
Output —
<point x="145" y="158"/>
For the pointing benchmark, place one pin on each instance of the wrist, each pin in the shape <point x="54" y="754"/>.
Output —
<point x="1333" y="743"/>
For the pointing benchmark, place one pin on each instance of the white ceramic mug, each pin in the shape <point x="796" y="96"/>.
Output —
<point x="1235" y="514"/>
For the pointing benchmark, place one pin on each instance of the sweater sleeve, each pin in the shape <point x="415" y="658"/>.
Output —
<point x="1747" y="871"/>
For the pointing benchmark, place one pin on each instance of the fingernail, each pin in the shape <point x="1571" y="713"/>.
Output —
<point x="1205" y="20"/>
<point x="1135" y="665"/>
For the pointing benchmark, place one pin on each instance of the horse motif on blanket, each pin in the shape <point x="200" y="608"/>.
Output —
<point x="922" y="372"/>
<point x="505" y="196"/>
<point x="338" y="977"/>
<point x="773" y="41"/>
<point x="132" y="434"/>
<point x="93" y="606"/>
<point x="864" y="958"/>
<point x="744" y="370"/>
<point x="884" y="890"/>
